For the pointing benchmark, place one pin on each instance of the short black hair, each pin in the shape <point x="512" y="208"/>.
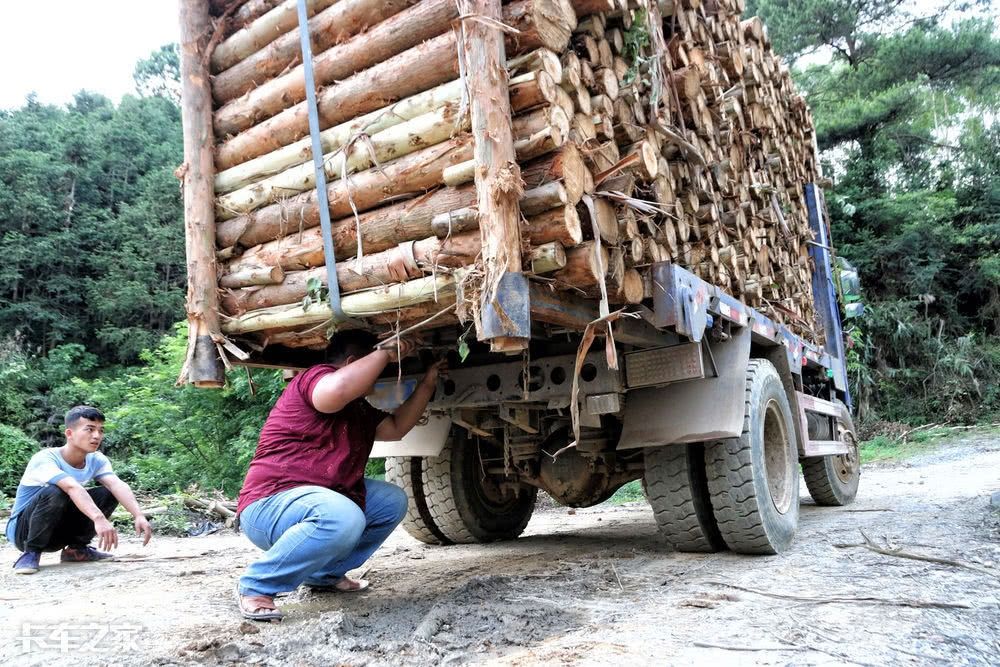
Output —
<point x="83" y="412"/>
<point x="350" y="343"/>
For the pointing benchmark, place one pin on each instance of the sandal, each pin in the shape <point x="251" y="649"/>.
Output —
<point x="257" y="607"/>
<point x="343" y="585"/>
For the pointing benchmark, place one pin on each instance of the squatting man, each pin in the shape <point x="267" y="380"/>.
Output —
<point x="53" y="510"/>
<point x="305" y="500"/>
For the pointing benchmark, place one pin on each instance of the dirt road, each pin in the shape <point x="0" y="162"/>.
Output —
<point x="592" y="588"/>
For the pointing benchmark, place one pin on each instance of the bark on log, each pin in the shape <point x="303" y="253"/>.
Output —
<point x="411" y="71"/>
<point x="261" y="32"/>
<point x="426" y="130"/>
<point x="203" y="367"/>
<point x="413" y="174"/>
<point x="333" y="25"/>
<point x="442" y="212"/>
<point x="498" y="176"/>
<point x="392" y="132"/>
<point x="380" y="300"/>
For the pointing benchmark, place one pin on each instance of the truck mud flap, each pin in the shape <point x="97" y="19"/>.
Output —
<point x="424" y="440"/>
<point x="692" y="411"/>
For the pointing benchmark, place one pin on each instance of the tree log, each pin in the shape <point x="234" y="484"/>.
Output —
<point x="360" y="304"/>
<point x="203" y="366"/>
<point x="498" y="177"/>
<point x="429" y="129"/>
<point x="411" y="71"/>
<point x="333" y="25"/>
<point x="441" y="212"/>
<point x="532" y="86"/>
<point x="261" y="32"/>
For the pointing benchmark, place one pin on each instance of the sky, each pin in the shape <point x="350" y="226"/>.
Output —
<point x="57" y="47"/>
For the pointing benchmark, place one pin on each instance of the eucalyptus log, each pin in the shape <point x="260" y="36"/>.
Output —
<point x="498" y="176"/>
<point x="370" y="123"/>
<point x="261" y="32"/>
<point x="203" y="366"/>
<point x="333" y="25"/>
<point x="409" y="175"/>
<point x="442" y="212"/>
<point x="360" y="304"/>
<point x="371" y="80"/>
<point x="429" y="129"/>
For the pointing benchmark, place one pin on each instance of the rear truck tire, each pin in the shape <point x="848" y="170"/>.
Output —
<point x="468" y="506"/>
<point x="678" y="493"/>
<point x="406" y="472"/>
<point x="753" y="480"/>
<point x="833" y="480"/>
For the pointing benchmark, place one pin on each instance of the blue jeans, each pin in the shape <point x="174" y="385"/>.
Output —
<point x="314" y="536"/>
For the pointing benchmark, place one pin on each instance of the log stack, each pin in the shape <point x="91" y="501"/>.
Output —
<point x="639" y="132"/>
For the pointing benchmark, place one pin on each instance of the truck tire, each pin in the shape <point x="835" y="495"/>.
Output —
<point x="754" y="479"/>
<point x="833" y="480"/>
<point x="678" y="493"/>
<point x="464" y="504"/>
<point x="406" y="472"/>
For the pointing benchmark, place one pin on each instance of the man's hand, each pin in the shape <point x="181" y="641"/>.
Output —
<point x="399" y="348"/>
<point x="143" y="528"/>
<point x="107" y="536"/>
<point x="439" y="367"/>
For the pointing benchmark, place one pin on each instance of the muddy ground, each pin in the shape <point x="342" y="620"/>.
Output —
<point x="590" y="587"/>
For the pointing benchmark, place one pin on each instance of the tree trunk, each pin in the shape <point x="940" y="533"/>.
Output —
<point x="261" y="32"/>
<point x="333" y="25"/>
<point x="203" y="366"/>
<point x="417" y="69"/>
<point x="361" y="304"/>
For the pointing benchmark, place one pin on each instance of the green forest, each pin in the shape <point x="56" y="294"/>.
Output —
<point x="93" y="282"/>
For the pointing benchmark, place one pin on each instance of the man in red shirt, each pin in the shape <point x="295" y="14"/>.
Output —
<point x="305" y="500"/>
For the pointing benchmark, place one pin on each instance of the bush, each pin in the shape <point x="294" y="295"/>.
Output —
<point x="15" y="450"/>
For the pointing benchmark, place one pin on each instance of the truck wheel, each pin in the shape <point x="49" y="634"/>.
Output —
<point x="833" y="480"/>
<point x="754" y="479"/>
<point x="678" y="493"/>
<point x="468" y="506"/>
<point x="406" y="473"/>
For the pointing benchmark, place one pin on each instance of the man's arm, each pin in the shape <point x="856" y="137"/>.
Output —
<point x="123" y="493"/>
<point x="335" y="390"/>
<point x="107" y="536"/>
<point x="398" y="424"/>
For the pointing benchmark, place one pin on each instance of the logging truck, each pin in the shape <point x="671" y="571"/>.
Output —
<point x="605" y="211"/>
<point x="711" y="404"/>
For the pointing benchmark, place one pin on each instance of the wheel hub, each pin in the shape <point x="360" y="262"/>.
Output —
<point x="777" y="462"/>
<point x="846" y="466"/>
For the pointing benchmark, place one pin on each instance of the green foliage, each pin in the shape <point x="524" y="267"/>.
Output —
<point x="630" y="493"/>
<point x="90" y="225"/>
<point x="15" y="450"/>
<point x="160" y="74"/>
<point x="174" y="436"/>
<point x="905" y="110"/>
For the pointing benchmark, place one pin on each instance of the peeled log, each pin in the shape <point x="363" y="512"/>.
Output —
<point x="412" y="174"/>
<point x="441" y="212"/>
<point x="384" y="81"/>
<point x="429" y="129"/>
<point x="333" y="25"/>
<point x="300" y="153"/>
<point x="361" y="304"/>
<point x="261" y="32"/>
<point x="564" y="165"/>
<point x="202" y="366"/>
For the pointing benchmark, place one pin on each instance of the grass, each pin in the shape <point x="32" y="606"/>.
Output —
<point x="885" y="448"/>
<point x="629" y="493"/>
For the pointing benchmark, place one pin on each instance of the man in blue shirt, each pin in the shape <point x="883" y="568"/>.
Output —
<point x="53" y="510"/>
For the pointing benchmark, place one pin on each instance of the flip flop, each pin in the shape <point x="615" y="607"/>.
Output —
<point x="257" y="607"/>
<point x="345" y="585"/>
